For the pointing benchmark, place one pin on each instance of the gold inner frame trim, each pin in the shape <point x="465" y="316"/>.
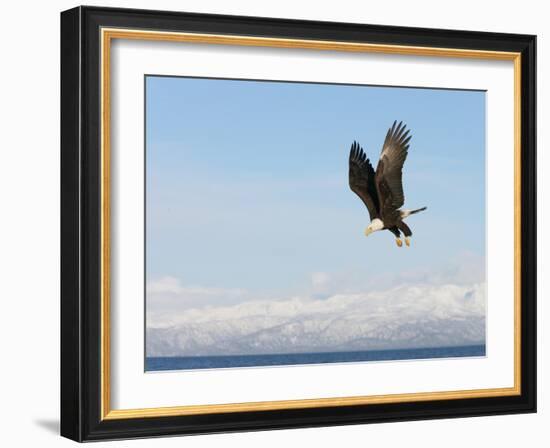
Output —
<point x="107" y="35"/>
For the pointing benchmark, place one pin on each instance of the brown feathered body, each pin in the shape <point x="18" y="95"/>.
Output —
<point x="382" y="190"/>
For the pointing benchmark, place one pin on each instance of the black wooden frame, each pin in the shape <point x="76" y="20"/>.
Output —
<point x="80" y="224"/>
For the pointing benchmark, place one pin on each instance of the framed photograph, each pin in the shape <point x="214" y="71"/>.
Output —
<point x="273" y="223"/>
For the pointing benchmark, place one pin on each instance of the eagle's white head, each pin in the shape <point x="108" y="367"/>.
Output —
<point x="375" y="224"/>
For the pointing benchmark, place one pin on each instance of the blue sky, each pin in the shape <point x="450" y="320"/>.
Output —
<point x="247" y="187"/>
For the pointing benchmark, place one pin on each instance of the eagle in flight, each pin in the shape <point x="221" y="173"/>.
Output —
<point x="382" y="191"/>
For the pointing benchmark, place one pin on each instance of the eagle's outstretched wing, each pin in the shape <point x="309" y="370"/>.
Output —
<point x="361" y="179"/>
<point x="389" y="172"/>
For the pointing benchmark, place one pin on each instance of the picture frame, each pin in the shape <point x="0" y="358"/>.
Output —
<point x="87" y="35"/>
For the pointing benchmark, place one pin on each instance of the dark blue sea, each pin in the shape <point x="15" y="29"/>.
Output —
<point x="217" y="362"/>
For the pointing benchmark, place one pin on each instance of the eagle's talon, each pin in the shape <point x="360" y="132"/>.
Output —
<point x="399" y="242"/>
<point x="408" y="241"/>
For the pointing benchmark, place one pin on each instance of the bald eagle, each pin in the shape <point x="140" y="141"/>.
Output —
<point x="382" y="191"/>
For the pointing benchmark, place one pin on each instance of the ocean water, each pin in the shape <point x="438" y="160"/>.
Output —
<point x="218" y="362"/>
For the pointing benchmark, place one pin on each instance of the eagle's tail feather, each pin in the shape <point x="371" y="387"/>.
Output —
<point x="405" y="213"/>
<point x="421" y="209"/>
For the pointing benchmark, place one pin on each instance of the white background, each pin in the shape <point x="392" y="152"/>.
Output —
<point x="29" y="236"/>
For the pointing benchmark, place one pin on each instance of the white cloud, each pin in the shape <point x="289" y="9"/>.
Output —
<point x="466" y="269"/>
<point x="172" y="285"/>
<point x="167" y="297"/>
<point x="320" y="279"/>
<point x="164" y="285"/>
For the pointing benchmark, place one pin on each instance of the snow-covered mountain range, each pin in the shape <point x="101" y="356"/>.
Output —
<point x="409" y="316"/>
